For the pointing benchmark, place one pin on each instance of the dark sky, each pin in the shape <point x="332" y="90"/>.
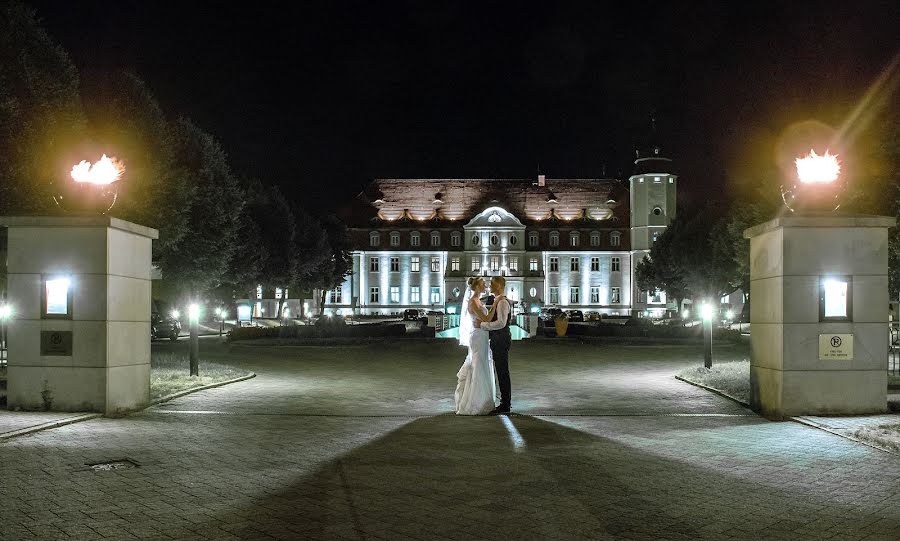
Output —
<point x="321" y="97"/>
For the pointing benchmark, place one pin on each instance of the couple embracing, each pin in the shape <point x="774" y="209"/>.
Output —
<point x="486" y="334"/>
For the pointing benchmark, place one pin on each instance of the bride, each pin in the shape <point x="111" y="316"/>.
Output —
<point x="476" y="388"/>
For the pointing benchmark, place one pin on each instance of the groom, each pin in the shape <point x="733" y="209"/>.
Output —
<point x="501" y="339"/>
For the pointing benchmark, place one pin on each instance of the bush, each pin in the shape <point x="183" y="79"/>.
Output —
<point x="304" y="332"/>
<point x="328" y="321"/>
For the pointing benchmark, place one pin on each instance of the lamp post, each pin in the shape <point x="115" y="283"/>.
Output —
<point x="194" y="322"/>
<point x="818" y="186"/>
<point x="93" y="189"/>
<point x="707" y="312"/>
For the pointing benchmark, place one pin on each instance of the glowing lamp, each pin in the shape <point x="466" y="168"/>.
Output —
<point x="194" y="312"/>
<point x="685" y="314"/>
<point x="91" y="188"/>
<point x="6" y="312"/>
<point x="706" y="311"/>
<point x="817" y="186"/>
<point x="176" y="314"/>
<point x="729" y="315"/>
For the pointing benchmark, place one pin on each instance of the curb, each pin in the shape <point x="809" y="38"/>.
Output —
<point x="715" y="391"/>
<point x="195" y="389"/>
<point x="47" y="426"/>
<point x="811" y="424"/>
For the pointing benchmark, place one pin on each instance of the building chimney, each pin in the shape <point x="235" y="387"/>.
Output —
<point x="542" y="180"/>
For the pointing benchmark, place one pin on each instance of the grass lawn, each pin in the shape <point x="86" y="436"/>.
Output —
<point x="887" y="436"/>
<point x="731" y="378"/>
<point x="169" y="373"/>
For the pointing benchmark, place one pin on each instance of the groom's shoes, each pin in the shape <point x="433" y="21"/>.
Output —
<point x="500" y="410"/>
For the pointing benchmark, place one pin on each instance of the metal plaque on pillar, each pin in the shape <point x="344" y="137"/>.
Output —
<point x="56" y="343"/>
<point x="835" y="347"/>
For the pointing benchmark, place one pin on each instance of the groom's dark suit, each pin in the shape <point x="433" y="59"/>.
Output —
<point x="501" y="340"/>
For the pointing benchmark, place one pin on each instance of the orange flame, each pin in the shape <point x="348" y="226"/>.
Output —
<point x="815" y="169"/>
<point x="105" y="171"/>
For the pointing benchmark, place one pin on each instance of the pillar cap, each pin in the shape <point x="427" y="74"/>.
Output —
<point x="821" y="221"/>
<point x="79" y="221"/>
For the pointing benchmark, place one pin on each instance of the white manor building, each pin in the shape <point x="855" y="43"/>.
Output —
<point x="571" y="243"/>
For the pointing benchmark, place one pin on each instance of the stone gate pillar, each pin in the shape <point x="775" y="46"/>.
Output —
<point x="80" y="287"/>
<point x="818" y="313"/>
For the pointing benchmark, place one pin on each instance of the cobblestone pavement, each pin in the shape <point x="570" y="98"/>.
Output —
<point x="358" y="443"/>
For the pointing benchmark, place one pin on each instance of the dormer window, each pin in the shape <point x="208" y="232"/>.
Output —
<point x="438" y="198"/>
<point x="533" y="239"/>
<point x="615" y="238"/>
<point x="595" y="238"/>
<point x="435" y="238"/>
<point x="378" y="202"/>
<point x="554" y="238"/>
<point x="415" y="239"/>
<point x="551" y="198"/>
<point x="395" y="238"/>
<point x="455" y="238"/>
<point x="574" y="238"/>
<point x="374" y="239"/>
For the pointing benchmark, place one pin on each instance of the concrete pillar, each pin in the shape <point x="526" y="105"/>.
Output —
<point x="795" y="370"/>
<point x="97" y="356"/>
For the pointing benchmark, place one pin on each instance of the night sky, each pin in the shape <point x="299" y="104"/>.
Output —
<point x="322" y="97"/>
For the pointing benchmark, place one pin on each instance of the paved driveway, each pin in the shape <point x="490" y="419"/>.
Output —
<point x="359" y="443"/>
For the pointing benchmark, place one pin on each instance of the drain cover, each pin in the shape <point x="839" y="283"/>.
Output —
<point x="121" y="464"/>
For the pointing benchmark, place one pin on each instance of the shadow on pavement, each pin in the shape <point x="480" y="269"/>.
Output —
<point x="491" y="477"/>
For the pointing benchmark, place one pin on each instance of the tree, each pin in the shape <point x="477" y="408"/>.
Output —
<point x="202" y="259"/>
<point x="41" y="117"/>
<point x="663" y="268"/>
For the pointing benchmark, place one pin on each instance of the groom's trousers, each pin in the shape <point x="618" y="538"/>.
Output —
<point x="501" y="340"/>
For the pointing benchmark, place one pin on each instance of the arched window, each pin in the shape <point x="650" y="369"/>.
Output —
<point x="574" y="238"/>
<point x="595" y="238"/>
<point x="455" y="238"/>
<point x="495" y="239"/>
<point x="395" y="238"/>
<point x="513" y="240"/>
<point x="615" y="238"/>
<point x="415" y="239"/>
<point x="374" y="239"/>
<point x="554" y="238"/>
<point x="435" y="238"/>
<point x="533" y="239"/>
<point x="476" y="239"/>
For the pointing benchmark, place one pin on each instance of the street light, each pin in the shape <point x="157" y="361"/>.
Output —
<point x="818" y="185"/>
<point x="707" y="311"/>
<point x="194" y="320"/>
<point x="6" y="312"/>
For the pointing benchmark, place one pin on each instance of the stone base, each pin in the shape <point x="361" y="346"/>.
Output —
<point x="110" y="390"/>
<point x="778" y="394"/>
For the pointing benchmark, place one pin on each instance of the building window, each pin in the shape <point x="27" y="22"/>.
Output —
<point x="554" y="238"/>
<point x="533" y="264"/>
<point x="476" y="264"/>
<point x="574" y="238"/>
<point x="554" y="295"/>
<point x="615" y="238"/>
<point x="395" y="294"/>
<point x="657" y="297"/>
<point x="435" y="264"/>
<point x="374" y="239"/>
<point x="414" y="264"/>
<point x="334" y="296"/>
<point x="435" y="238"/>
<point x="454" y="264"/>
<point x="435" y="295"/>
<point x="595" y="264"/>
<point x="373" y="295"/>
<point x="455" y="238"/>
<point x="414" y="295"/>
<point x="415" y="239"/>
<point x="532" y="292"/>
<point x="395" y="238"/>
<point x="495" y="262"/>
<point x="595" y="295"/>
<point x="373" y="264"/>
<point x="573" y="264"/>
<point x="476" y="240"/>
<point x="513" y="264"/>
<point x="614" y="297"/>
<point x="455" y="292"/>
<point x="615" y="264"/>
<point x="495" y="239"/>
<point x="513" y="240"/>
<point x="574" y="295"/>
<point x="554" y="264"/>
<point x="642" y="296"/>
<point x="395" y="264"/>
<point x="595" y="238"/>
<point x="533" y="239"/>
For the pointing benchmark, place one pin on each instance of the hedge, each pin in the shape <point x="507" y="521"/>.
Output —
<point x="312" y="332"/>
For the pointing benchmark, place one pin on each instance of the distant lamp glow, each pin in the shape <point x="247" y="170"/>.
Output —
<point x="706" y="311"/>
<point x="244" y="312"/>
<point x="815" y="169"/>
<point x="176" y="314"/>
<point x="6" y="312"/>
<point x="287" y="312"/>
<point x="729" y="315"/>
<point x="535" y="309"/>
<point x="57" y="296"/>
<point x="194" y="312"/>
<point x="685" y="314"/>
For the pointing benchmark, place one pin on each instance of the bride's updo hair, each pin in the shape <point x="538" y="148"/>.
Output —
<point x="473" y="280"/>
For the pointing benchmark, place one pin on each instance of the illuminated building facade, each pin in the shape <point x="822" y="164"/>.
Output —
<point x="571" y="243"/>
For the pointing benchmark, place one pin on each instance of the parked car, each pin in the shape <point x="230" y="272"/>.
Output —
<point x="593" y="315"/>
<point x="413" y="314"/>
<point x="547" y="315"/>
<point x="164" y="326"/>
<point x="575" y="315"/>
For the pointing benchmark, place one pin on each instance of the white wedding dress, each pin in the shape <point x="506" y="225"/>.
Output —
<point x="476" y="387"/>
